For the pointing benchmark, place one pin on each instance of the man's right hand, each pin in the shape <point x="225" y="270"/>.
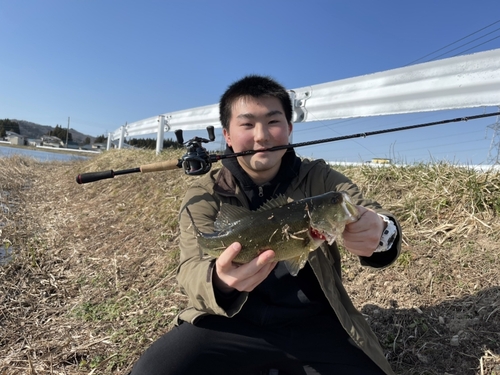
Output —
<point x="229" y="276"/>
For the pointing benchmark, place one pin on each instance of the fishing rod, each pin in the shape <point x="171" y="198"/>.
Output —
<point x="197" y="161"/>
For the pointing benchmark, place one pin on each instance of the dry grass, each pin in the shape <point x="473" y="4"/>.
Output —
<point x="436" y="310"/>
<point x="91" y="283"/>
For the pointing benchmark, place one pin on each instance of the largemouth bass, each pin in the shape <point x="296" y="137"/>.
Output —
<point x="290" y="229"/>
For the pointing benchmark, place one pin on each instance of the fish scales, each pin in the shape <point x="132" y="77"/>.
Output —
<point x="284" y="231"/>
<point x="291" y="230"/>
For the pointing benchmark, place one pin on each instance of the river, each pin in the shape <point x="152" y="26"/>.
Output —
<point x="40" y="155"/>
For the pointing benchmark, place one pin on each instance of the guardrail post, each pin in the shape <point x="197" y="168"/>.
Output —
<point x="161" y="132"/>
<point x="122" y="136"/>
<point x="108" y="146"/>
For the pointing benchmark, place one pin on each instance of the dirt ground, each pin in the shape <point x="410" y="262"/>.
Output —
<point x="91" y="282"/>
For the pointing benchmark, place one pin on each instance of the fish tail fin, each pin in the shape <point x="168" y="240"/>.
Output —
<point x="294" y="265"/>
<point x="195" y="228"/>
<point x="192" y="220"/>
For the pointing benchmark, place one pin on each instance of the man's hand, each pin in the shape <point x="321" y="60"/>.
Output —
<point x="362" y="236"/>
<point x="229" y="276"/>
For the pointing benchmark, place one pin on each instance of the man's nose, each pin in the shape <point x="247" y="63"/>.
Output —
<point x="260" y="132"/>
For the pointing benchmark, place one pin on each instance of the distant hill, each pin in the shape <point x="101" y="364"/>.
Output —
<point x="32" y="130"/>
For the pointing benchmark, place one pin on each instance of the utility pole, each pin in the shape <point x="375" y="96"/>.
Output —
<point x="495" y="143"/>
<point x="67" y="133"/>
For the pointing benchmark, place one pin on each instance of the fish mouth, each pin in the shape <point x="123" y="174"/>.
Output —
<point x="321" y="235"/>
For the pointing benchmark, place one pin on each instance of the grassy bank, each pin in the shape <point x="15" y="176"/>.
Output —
<point x="92" y="283"/>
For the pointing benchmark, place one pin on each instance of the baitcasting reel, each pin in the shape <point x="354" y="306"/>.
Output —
<point x="196" y="160"/>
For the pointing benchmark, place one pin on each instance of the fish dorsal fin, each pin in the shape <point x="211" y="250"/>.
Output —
<point x="279" y="201"/>
<point x="228" y="215"/>
<point x="294" y="265"/>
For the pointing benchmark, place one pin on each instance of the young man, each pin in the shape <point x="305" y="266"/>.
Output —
<point x="256" y="318"/>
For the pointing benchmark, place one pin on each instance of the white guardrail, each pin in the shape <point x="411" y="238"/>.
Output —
<point x="466" y="81"/>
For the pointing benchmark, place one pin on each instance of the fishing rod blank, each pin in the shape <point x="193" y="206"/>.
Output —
<point x="197" y="161"/>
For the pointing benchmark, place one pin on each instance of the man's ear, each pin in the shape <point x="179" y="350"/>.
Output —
<point x="225" y="133"/>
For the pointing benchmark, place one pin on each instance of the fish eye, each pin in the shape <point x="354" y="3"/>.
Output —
<point x="337" y="198"/>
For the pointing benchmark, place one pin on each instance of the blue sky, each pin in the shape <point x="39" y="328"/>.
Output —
<point x="104" y="63"/>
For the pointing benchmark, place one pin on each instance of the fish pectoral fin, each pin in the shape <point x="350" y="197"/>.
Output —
<point x="294" y="265"/>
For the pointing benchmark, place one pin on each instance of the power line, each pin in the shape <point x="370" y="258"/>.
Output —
<point x="437" y="147"/>
<point x="491" y="32"/>
<point x="439" y="138"/>
<point x="489" y="40"/>
<point x="347" y="122"/>
<point x="362" y="135"/>
<point x="448" y="45"/>
<point x="469" y="141"/>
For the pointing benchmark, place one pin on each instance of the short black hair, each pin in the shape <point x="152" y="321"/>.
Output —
<point x="254" y="86"/>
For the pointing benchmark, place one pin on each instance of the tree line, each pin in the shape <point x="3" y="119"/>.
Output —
<point x="60" y="133"/>
<point x="7" y="125"/>
<point x="150" y="143"/>
<point x="146" y="143"/>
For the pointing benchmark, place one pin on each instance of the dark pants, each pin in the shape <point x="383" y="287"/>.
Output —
<point x="220" y="346"/>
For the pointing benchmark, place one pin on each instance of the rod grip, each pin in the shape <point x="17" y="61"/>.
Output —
<point x="162" y="166"/>
<point x="94" y="176"/>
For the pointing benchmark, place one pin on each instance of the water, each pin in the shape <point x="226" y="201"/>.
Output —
<point x="38" y="154"/>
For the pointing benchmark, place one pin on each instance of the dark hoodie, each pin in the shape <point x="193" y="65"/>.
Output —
<point x="281" y="298"/>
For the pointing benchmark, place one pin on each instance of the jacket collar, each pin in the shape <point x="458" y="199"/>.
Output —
<point x="233" y="180"/>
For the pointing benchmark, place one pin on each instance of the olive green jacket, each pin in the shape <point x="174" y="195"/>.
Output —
<point x="194" y="273"/>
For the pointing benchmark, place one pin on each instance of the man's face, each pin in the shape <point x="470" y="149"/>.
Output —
<point x="256" y="124"/>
